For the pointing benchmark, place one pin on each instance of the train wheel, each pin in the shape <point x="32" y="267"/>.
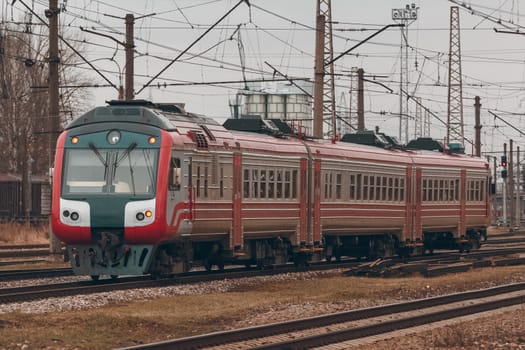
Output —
<point x="301" y="260"/>
<point x="208" y="264"/>
<point x="475" y="244"/>
<point x="95" y="277"/>
<point x="187" y="265"/>
<point x="333" y="258"/>
<point x="330" y="253"/>
<point x="465" y="247"/>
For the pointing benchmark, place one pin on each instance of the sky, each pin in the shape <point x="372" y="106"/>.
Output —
<point x="282" y="34"/>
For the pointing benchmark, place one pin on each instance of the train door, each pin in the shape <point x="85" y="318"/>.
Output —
<point x="462" y="203"/>
<point x="179" y="203"/>
<point x="408" y="233"/>
<point x="412" y="236"/>
<point x="316" y="205"/>
<point x="304" y="201"/>
<point x="417" y="220"/>
<point x="237" y="236"/>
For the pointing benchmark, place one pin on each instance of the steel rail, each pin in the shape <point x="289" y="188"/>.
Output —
<point x="282" y="328"/>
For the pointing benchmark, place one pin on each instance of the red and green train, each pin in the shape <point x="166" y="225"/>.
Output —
<point x="144" y="188"/>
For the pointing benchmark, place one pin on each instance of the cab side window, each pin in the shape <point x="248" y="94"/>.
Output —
<point x="175" y="174"/>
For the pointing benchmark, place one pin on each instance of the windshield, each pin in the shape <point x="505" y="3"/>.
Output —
<point x="122" y="171"/>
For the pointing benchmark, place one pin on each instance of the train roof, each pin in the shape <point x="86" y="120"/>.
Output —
<point x="327" y="149"/>
<point x="162" y="115"/>
<point x="273" y="139"/>
<point x="260" y="134"/>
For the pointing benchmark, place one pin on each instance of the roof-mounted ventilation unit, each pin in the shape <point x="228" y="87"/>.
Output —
<point x="425" y="143"/>
<point x="455" y="148"/>
<point x="199" y="138"/>
<point x="367" y="137"/>
<point x="253" y="124"/>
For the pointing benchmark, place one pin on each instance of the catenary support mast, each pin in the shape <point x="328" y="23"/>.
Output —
<point x="324" y="94"/>
<point x="455" y="87"/>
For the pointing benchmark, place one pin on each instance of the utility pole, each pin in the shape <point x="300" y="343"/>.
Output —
<point x="130" y="21"/>
<point x="477" y="126"/>
<point x="54" y="117"/>
<point x="129" y="45"/>
<point x="360" y="100"/>
<point x="511" y="185"/>
<point x="54" y="60"/>
<point x="504" y="192"/>
<point x="324" y="48"/>
<point x="494" y="198"/>
<point x="455" y="86"/>
<point x="518" y="188"/>
<point x="319" y="77"/>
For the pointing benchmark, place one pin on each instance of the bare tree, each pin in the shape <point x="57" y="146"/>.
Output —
<point x="24" y="102"/>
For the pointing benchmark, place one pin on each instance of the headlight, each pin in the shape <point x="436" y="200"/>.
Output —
<point x="113" y="137"/>
<point x="140" y="216"/>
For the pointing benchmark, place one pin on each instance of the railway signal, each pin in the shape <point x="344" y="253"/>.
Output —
<point x="503" y="163"/>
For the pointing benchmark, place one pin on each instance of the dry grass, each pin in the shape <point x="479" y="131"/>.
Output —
<point x="185" y="315"/>
<point x="14" y="233"/>
<point x="505" y="330"/>
<point x="154" y="320"/>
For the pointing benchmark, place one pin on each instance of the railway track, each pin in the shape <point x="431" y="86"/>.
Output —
<point x="342" y="327"/>
<point x="21" y="252"/>
<point x="513" y="239"/>
<point x="26" y="253"/>
<point x="37" y="292"/>
<point x="442" y="263"/>
<point x="42" y="250"/>
<point x="23" y="246"/>
<point x="432" y="265"/>
<point x="16" y="275"/>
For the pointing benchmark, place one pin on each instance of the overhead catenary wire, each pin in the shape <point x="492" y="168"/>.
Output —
<point x="228" y="63"/>
<point x="191" y="45"/>
<point x="69" y="45"/>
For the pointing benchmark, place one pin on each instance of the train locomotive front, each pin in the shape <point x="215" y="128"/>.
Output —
<point x="109" y="166"/>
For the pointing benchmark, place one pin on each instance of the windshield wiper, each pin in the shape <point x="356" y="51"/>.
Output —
<point x="132" y="176"/>
<point x="95" y="150"/>
<point x="130" y="148"/>
<point x="126" y="153"/>
<point x="99" y="156"/>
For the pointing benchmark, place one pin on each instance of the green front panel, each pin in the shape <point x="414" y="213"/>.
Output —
<point x="107" y="211"/>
